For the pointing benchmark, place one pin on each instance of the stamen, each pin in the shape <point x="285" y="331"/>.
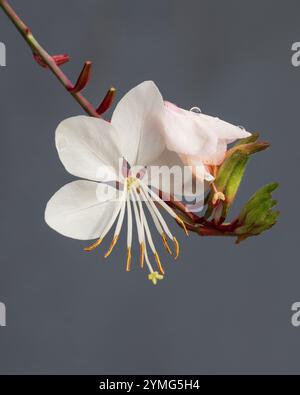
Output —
<point x="180" y="221"/>
<point x="217" y="197"/>
<point x="109" y="224"/>
<point x="176" y="247"/>
<point x="129" y="233"/>
<point x="94" y="245"/>
<point x="142" y="254"/>
<point x="136" y="214"/>
<point x="158" y="263"/>
<point x="139" y="224"/>
<point x="156" y="214"/>
<point x="111" y="247"/>
<point x="167" y="247"/>
<point x="160" y="201"/>
<point x="128" y="261"/>
<point x="147" y="261"/>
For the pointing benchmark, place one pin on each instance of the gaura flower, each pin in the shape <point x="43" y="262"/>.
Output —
<point x="91" y="149"/>
<point x="198" y="138"/>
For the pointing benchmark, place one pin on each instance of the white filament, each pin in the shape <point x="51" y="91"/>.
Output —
<point x="121" y="218"/>
<point x="148" y="233"/>
<point x="129" y="222"/>
<point x="137" y="216"/>
<point x="155" y="212"/>
<point x="113" y="217"/>
<point x="159" y="200"/>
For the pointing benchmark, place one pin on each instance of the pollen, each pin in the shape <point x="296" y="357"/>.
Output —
<point x="130" y="182"/>
<point x="154" y="277"/>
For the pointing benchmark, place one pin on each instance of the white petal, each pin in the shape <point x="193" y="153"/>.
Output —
<point x="184" y="135"/>
<point x="174" y="177"/>
<point x="81" y="209"/>
<point x="88" y="148"/>
<point x="200" y="135"/>
<point x="138" y="119"/>
<point x="223" y="130"/>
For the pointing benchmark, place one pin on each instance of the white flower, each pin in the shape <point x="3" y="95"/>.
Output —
<point x="198" y="138"/>
<point x="91" y="148"/>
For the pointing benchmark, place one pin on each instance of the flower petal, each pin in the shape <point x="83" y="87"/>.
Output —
<point x="138" y="119"/>
<point x="88" y="148"/>
<point x="199" y="135"/>
<point x="176" y="179"/>
<point x="223" y="130"/>
<point x="81" y="209"/>
<point x="184" y="135"/>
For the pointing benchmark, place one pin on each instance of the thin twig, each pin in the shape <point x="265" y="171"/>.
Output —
<point x="37" y="49"/>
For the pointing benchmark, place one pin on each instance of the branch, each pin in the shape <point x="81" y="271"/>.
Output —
<point x="46" y="59"/>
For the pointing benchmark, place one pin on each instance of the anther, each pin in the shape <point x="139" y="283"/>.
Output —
<point x="142" y="254"/>
<point x="217" y="197"/>
<point x="128" y="261"/>
<point x="111" y="247"/>
<point x="180" y="221"/>
<point x="158" y="263"/>
<point x="176" y="247"/>
<point x="93" y="246"/>
<point x="167" y="247"/>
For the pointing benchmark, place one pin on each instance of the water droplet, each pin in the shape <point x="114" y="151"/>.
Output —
<point x="241" y="127"/>
<point x="196" y="110"/>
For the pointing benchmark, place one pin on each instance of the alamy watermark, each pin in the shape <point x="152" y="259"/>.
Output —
<point x="2" y="314"/>
<point x="295" y="320"/>
<point x="2" y="55"/>
<point x="296" y="54"/>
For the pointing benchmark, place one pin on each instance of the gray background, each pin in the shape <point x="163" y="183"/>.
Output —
<point x="222" y="308"/>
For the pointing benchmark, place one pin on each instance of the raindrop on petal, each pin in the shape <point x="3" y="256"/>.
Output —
<point x="196" y="110"/>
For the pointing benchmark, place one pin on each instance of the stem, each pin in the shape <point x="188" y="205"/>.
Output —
<point x="39" y="50"/>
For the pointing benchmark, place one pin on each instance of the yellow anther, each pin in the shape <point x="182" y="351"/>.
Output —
<point x="130" y="182"/>
<point x="176" y="247"/>
<point x="217" y="197"/>
<point x="93" y="246"/>
<point x="154" y="277"/>
<point x="128" y="260"/>
<point x="167" y="247"/>
<point x="111" y="247"/>
<point x="142" y="254"/>
<point x="158" y="263"/>
<point x="180" y="221"/>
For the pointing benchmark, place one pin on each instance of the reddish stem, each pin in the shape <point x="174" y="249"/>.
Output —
<point x="46" y="58"/>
